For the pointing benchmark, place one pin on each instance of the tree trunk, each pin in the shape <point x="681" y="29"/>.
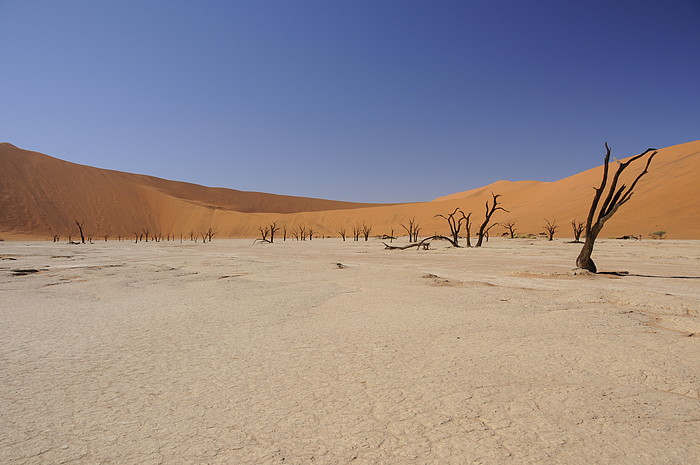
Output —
<point x="584" y="260"/>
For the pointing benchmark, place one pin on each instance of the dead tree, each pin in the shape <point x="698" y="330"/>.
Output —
<point x="264" y="232"/>
<point x="577" y="227"/>
<point x="342" y="233"/>
<point x="56" y="238"/>
<point x="284" y="233"/>
<point x="615" y="198"/>
<point x="137" y="236"/>
<point x="551" y="228"/>
<point x="310" y="234"/>
<point x="302" y="232"/>
<point x="413" y="229"/>
<point x="106" y="236"/>
<point x="80" y="228"/>
<point x="356" y="231"/>
<point x="273" y="228"/>
<point x="456" y="225"/>
<point x="490" y="210"/>
<point x="366" y="231"/>
<point x="210" y="234"/>
<point x="145" y="233"/>
<point x="510" y="226"/>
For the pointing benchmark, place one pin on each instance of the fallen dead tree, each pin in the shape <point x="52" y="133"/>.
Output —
<point x="423" y="244"/>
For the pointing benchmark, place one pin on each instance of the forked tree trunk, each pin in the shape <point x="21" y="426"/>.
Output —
<point x="614" y="199"/>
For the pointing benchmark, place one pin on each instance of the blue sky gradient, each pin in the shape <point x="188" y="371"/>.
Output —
<point x="379" y="101"/>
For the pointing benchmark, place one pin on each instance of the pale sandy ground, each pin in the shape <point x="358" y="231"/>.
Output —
<point x="233" y="353"/>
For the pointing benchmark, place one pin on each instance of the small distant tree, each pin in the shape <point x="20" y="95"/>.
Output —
<point x="80" y="228"/>
<point x="273" y="229"/>
<point x="342" y="233"/>
<point x="210" y="234"/>
<point x="551" y="228"/>
<point x="137" y="236"/>
<point x="412" y="229"/>
<point x="302" y="232"/>
<point x="658" y="234"/>
<point x="366" y="231"/>
<point x="264" y="232"/>
<point x="56" y="238"/>
<point x="284" y="233"/>
<point x="356" y="231"/>
<point x="490" y="210"/>
<point x="577" y="227"/>
<point x="510" y="226"/>
<point x="106" y="236"/>
<point x="615" y="198"/>
<point x="146" y="233"/>
<point x="311" y="233"/>
<point x="191" y="235"/>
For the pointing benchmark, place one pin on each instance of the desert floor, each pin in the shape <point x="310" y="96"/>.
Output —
<point x="327" y="352"/>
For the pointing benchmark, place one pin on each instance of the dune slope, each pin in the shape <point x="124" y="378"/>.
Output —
<point x="41" y="196"/>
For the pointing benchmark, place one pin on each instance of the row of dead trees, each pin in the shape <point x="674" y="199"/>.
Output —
<point x="143" y="235"/>
<point x="550" y="229"/>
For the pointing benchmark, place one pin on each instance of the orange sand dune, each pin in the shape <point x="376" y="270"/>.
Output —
<point x="41" y="196"/>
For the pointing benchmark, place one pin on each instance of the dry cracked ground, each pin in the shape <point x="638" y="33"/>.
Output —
<point x="327" y="352"/>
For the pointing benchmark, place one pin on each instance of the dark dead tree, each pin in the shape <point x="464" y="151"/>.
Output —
<point x="146" y="233"/>
<point x="106" y="236"/>
<point x="510" y="226"/>
<point x="302" y="232"/>
<point x="191" y="234"/>
<point x="56" y="238"/>
<point x="342" y="233"/>
<point x="210" y="234"/>
<point x="80" y="228"/>
<point x="423" y="244"/>
<point x="264" y="232"/>
<point x="551" y="228"/>
<point x="356" y="231"/>
<point x="615" y="198"/>
<point x="310" y="233"/>
<point x="490" y="210"/>
<point x="273" y="229"/>
<point x="366" y="231"/>
<point x="413" y="229"/>
<point x="455" y="225"/>
<point x="577" y="227"/>
<point x="137" y="236"/>
<point x="284" y="233"/>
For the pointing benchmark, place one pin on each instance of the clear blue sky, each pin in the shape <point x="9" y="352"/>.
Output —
<point x="384" y="101"/>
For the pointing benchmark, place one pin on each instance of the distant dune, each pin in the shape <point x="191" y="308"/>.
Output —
<point x="41" y="196"/>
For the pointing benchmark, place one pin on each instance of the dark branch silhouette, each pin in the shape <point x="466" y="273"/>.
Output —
<point x="615" y="198"/>
<point x="413" y="229"/>
<point x="510" y="226"/>
<point x="577" y="227"/>
<point x="456" y="225"/>
<point x="80" y="228"/>
<point x="490" y="210"/>
<point x="551" y="228"/>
